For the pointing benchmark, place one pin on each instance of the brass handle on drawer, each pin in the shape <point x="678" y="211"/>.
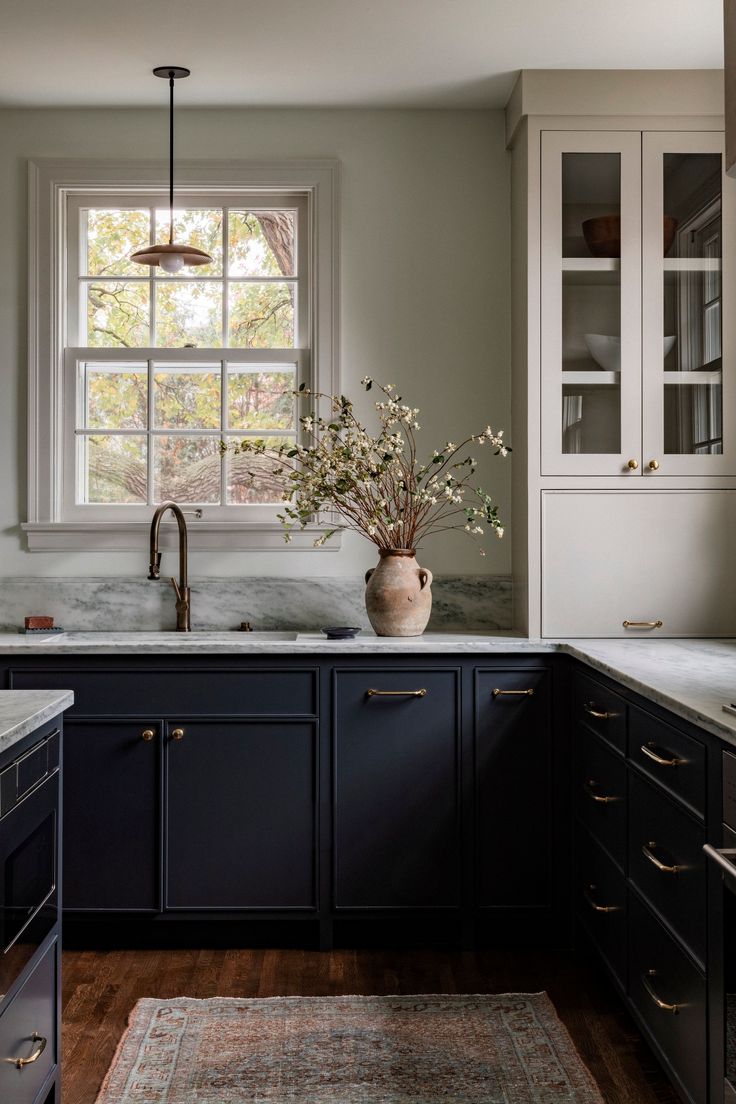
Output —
<point x="497" y="693"/>
<point x="648" y="853"/>
<point x="648" y="750"/>
<point x="147" y="734"/>
<point x="588" y="707"/>
<point x="177" y="734"/>
<point x="19" y="1063"/>
<point x="594" y="904"/>
<point x="673" y="1008"/>
<point x="602" y="799"/>
<point x="642" y="624"/>
<point x="396" y="693"/>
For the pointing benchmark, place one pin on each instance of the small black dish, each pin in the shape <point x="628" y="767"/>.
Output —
<point x="340" y="632"/>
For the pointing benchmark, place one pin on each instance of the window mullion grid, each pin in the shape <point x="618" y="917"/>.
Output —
<point x="149" y="435"/>
<point x="152" y="285"/>
<point x="225" y="277"/>
<point x="223" y="427"/>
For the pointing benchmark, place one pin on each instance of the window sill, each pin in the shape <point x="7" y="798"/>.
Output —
<point x="118" y="536"/>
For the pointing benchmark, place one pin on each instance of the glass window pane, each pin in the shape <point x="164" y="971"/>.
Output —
<point x="186" y="469"/>
<point x="262" y="316"/>
<point x="188" y="312"/>
<point x="250" y="478"/>
<point x="117" y="314"/>
<point x="112" y="234"/>
<point x="261" y="243"/>
<point x="260" y="398"/>
<point x="115" y="397"/>
<point x="197" y="226"/>
<point x="113" y="469"/>
<point x="187" y="398"/>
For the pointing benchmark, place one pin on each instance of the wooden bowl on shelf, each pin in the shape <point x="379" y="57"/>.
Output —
<point x="603" y="235"/>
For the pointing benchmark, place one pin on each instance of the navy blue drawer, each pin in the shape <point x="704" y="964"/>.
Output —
<point x="600" y="894"/>
<point x="673" y="760"/>
<point x="600" y="709"/>
<point x="27" y="1025"/>
<point x="661" y="973"/>
<point x="666" y="862"/>
<point x="600" y="788"/>
<point x="178" y="690"/>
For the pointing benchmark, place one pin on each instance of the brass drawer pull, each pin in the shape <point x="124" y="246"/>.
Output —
<point x="177" y="734"/>
<point x="673" y="1008"/>
<point x="642" y="624"/>
<point x="660" y="760"/>
<point x="594" y="904"/>
<point x="599" y="716"/>
<point x="396" y="693"/>
<point x="497" y="693"/>
<point x="147" y="734"/>
<point x="602" y="799"/>
<point x="648" y="853"/>
<point x="20" y="1063"/>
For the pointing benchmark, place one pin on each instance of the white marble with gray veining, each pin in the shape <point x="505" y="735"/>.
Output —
<point x="22" y="711"/>
<point x="460" y="602"/>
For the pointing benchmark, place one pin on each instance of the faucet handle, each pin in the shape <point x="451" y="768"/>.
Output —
<point x="154" y="568"/>
<point x="177" y="589"/>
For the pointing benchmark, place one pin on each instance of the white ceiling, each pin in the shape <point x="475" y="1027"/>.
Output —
<point x="377" y="53"/>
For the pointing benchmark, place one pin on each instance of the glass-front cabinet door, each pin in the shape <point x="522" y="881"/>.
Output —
<point x="686" y="262"/>
<point x="591" y="302"/>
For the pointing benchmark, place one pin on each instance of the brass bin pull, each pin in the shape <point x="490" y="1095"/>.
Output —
<point x="648" y="853"/>
<point x="594" y="904"/>
<point x="498" y="693"/>
<point x="177" y="734"/>
<point x="602" y="799"/>
<point x="588" y="707"/>
<point x="147" y="734"/>
<point x="642" y="624"/>
<point x="648" y="750"/>
<point x="396" y="693"/>
<point x="664" y="1005"/>
<point x="20" y="1063"/>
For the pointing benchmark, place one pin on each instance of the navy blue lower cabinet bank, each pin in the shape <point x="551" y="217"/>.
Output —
<point x="359" y="800"/>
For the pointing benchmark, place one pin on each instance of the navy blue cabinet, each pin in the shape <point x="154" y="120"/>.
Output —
<point x="396" y="788"/>
<point x="241" y="814"/>
<point x="112" y="823"/>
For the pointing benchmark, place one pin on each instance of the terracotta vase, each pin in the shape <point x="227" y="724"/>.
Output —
<point x="398" y="594"/>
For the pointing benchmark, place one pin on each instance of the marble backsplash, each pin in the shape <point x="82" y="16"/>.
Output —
<point x="473" y="603"/>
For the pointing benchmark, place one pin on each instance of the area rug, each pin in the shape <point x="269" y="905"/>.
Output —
<point x="458" y="1049"/>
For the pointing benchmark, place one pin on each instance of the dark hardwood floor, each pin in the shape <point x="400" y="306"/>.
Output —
<point x="101" y="987"/>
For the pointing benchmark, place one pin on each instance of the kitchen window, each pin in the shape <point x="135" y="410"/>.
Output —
<point x="145" y="376"/>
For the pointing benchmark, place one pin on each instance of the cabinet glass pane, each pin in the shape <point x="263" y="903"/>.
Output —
<point x="591" y="303"/>
<point x="691" y="274"/>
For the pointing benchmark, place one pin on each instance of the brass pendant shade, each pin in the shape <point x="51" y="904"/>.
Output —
<point x="171" y="257"/>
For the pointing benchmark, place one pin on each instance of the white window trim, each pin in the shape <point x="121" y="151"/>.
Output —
<point x="51" y="182"/>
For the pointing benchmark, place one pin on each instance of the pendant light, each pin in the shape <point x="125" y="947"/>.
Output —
<point x="171" y="257"/>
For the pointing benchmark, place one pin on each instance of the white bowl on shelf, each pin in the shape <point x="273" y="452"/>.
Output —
<point x="606" y="351"/>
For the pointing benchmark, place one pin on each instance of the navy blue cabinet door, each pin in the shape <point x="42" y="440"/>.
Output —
<point x="397" y="802"/>
<point x="111" y="815"/>
<point x="241" y="815"/>
<point x="513" y="780"/>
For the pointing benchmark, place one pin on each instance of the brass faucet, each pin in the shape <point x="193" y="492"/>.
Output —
<point x="183" y="602"/>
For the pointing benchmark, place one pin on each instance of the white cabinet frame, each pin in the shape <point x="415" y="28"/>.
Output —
<point x="628" y="145"/>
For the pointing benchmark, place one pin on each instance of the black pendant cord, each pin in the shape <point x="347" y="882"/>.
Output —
<point x="171" y="159"/>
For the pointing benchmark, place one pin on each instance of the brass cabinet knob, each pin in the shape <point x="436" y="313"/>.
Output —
<point x="177" y="734"/>
<point x="633" y="465"/>
<point x="654" y="465"/>
<point x="147" y="734"/>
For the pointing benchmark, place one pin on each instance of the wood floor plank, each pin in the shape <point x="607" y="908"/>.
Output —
<point x="101" y="988"/>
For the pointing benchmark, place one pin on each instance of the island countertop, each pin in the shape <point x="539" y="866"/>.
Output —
<point x="22" y="711"/>
<point x="691" y="678"/>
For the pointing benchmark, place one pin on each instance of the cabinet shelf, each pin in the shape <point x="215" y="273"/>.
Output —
<point x="683" y="379"/>
<point x="691" y="264"/>
<point x="592" y="378"/>
<point x="591" y="270"/>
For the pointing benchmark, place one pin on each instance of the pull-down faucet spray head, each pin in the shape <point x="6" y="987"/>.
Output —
<point x="154" y="568"/>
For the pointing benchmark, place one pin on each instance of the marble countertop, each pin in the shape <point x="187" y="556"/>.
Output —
<point x="22" y="711"/>
<point x="692" y="678"/>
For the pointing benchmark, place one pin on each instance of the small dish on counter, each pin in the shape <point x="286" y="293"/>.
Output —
<point x="341" y="632"/>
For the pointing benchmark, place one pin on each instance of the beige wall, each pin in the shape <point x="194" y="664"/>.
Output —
<point x="425" y="287"/>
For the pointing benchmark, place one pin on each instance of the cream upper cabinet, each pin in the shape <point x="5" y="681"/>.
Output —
<point x="633" y="265"/>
